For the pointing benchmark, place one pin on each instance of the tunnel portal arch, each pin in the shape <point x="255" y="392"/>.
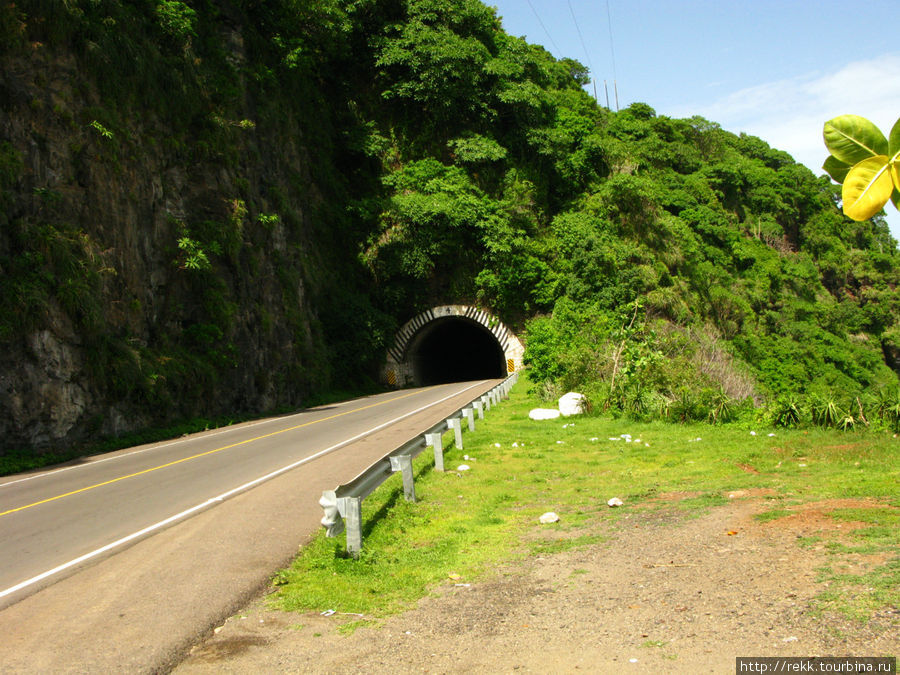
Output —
<point x="451" y="343"/>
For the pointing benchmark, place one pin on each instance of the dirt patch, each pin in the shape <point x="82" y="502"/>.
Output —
<point x="672" y="496"/>
<point x="750" y="492"/>
<point x="813" y="518"/>
<point x="228" y="647"/>
<point x="809" y="521"/>
<point x="686" y="594"/>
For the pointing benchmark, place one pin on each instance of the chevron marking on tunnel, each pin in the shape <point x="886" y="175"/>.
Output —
<point x="397" y="355"/>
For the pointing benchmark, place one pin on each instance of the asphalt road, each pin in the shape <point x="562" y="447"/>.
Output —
<point x="121" y="561"/>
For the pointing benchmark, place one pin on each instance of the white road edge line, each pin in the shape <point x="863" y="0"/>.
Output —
<point x="165" y="444"/>
<point x="213" y="500"/>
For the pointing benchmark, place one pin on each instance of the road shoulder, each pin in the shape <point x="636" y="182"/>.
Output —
<point x="666" y="592"/>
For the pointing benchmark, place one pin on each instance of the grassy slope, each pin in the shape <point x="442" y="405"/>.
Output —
<point x="466" y="522"/>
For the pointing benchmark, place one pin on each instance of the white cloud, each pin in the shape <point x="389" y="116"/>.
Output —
<point x="789" y="114"/>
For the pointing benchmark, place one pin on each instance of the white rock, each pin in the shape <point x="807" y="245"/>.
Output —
<point x="544" y="414"/>
<point x="549" y="517"/>
<point x="615" y="501"/>
<point x="496" y="445"/>
<point x="753" y="433"/>
<point x="571" y="404"/>
<point x="463" y="467"/>
<point x="594" y="439"/>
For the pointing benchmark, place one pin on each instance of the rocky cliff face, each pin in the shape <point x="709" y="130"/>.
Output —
<point x="151" y="272"/>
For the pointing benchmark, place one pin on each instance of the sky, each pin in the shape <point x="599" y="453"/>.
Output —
<point x="777" y="69"/>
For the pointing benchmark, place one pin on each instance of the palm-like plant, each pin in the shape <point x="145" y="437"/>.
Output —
<point x="847" y="423"/>
<point x="787" y="411"/>
<point x="721" y="407"/>
<point x="825" y="412"/>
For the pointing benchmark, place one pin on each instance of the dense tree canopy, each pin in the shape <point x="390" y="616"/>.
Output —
<point x="664" y="266"/>
<point x="645" y="256"/>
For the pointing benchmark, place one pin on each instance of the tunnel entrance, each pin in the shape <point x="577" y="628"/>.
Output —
<point x="455" y="350"/>
<point x="452" y="343"/>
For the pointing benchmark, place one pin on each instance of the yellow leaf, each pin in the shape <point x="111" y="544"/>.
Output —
<point x="895" y="173"/>
<point x="867" y="188"/>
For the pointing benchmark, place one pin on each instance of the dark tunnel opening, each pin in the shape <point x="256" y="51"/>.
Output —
<point x="455" y="350"/>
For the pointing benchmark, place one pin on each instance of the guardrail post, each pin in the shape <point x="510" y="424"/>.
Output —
<point x="479" y="406"/>
<point x="332" y="520"/>
<point x="486" y="400"/>
<point x="469" y="414"/>
<point x="437" y="442"/>
<point x="403" y="463"/>
<point x="454" y="423"/>
<point x="353" y="514"/>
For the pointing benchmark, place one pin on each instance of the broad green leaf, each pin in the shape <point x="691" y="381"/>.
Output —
<point x="895" y="138"/>
<point x="851" y="139"/>
<point x="836" y="168"/>
<point x="867" y="188"/>
<point x="895" y="198"/>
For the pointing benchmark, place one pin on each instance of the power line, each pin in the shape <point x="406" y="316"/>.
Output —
<point x="549" y="37"/>
<point x="612" y="51"/>
<point x="583" y="46"/>
<point x="580" y="37"/>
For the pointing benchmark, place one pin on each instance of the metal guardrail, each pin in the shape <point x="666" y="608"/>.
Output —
<point x="345" y="501"/>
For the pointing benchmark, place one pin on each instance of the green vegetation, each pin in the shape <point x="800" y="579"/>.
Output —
<point x="667" y="268"/>
<point x="326" y="170"/>
<point x="468" y="523"/>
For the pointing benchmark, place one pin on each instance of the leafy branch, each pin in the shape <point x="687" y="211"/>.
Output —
<point x="865" y="162"/>
<point x="102" y="130"/>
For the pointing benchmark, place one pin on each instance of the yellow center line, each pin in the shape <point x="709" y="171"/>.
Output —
<point x="204" y="454"/>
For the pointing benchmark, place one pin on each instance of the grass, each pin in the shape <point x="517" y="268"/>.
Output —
<point x="773" y="514"/>
<point x="468" y="524"/>
<point x="874" y="588"/>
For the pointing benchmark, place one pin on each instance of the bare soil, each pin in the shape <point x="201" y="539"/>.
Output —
<point x="665" y="592"/>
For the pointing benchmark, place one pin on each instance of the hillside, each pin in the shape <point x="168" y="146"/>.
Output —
<point x="222" y="208"/>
